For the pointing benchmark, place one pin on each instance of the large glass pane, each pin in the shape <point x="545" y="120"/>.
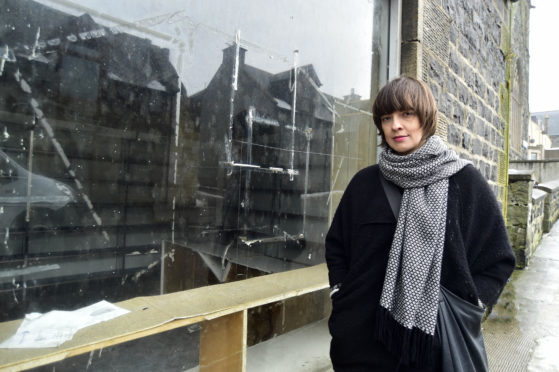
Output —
<point x="155" y="146"/>
<point x="174" y="350"/>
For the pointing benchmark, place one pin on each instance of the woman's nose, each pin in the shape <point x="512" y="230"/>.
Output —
<point x="396" y="122"/>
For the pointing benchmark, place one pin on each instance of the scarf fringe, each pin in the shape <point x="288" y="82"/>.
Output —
<point x="413" y="346"/>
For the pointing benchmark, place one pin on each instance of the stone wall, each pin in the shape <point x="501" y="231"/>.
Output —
<point x="532" y="209"/>
<point x="519" y="214"/>
<point x="518" y="57"/>
<point x="551" y="209"/>
<point x="535" y="221"/>
<point x="544" y="170"/>
<point x="462" y="49"/>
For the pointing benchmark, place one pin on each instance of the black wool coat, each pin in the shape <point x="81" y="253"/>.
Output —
<point x="477" y="260"/>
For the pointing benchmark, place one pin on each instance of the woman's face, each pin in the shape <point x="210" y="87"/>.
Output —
<point x="402" y="131"/>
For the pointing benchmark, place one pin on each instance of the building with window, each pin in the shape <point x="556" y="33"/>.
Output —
<point x="538" y="139"/>
<point x="549" y="122"/>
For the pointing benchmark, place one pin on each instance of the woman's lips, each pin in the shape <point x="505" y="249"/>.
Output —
<point x="400" y="138"/>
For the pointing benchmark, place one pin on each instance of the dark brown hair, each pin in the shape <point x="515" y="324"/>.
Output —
<point x="405" y="94"/>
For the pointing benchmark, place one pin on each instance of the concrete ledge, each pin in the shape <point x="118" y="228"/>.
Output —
<point x="549" y="186"/>
<point x="156" y="314"/>
<point x="538" y="195"/>
<point x="542" y="161"/>
<point x="551" y="209"/>
<point x="544" y="170"/>
<point x="517" y="175"/>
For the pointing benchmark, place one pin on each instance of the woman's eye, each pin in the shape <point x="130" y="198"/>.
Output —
<point x="409" y="113"/>
<point x="386" y="118"/>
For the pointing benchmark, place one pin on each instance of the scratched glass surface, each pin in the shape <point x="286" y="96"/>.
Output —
<point x="156" y="146"/>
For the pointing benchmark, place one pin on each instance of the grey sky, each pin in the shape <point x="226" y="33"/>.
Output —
<point x="544" y="56"/>
<point x="336" y="38"/>
<point x="330" y="37"/>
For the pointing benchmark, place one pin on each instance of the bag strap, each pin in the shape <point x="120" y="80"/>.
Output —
<point x="393" y="194"/>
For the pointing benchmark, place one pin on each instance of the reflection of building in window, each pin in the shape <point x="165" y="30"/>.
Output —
<point x="259" y="206"/>
<point x="80" y="80"/>
<point x="108" y="104"/>
<point x="109" y="101"/>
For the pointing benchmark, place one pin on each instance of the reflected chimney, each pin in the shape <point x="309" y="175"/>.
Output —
<point x="352" y="97"/>
<point x="546" y="124"/>
<point x="229" y="55"/>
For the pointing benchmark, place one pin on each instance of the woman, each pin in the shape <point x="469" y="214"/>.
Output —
<point x="386" y="272"/>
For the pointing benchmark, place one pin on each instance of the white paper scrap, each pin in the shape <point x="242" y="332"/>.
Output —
<point x="56" y="327"/>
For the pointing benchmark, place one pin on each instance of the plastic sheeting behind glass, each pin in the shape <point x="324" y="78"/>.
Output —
<point x="149" y="147"/>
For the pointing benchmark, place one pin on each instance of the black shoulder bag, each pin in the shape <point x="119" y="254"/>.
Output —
<point x="458" y="321"/>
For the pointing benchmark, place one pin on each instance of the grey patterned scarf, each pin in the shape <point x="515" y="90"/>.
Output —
<point x="411" y="285"/>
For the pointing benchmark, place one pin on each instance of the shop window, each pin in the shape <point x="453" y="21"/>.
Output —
<point x="178" y="144"/>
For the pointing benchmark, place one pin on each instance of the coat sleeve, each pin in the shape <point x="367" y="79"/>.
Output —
<point x="337" y="241"/>
<point x="490" y="255"/>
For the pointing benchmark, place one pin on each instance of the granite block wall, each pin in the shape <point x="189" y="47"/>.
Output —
<point x="535" y="221"/>
<point x="525" y="215"/>
<point x="551" y="209"/>
<point x="464" y="50"/>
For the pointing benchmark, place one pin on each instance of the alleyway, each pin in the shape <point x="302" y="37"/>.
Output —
<point x="522" y="333"/>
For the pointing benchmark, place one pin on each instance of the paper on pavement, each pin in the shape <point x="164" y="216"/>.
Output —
<point x="55" y="327"/>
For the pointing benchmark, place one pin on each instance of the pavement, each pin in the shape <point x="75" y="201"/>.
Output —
<point x="303" y="350"/>
<point x="521" y="334"/>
